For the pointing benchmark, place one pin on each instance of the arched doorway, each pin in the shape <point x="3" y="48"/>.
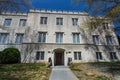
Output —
<point x="59" y="56"/>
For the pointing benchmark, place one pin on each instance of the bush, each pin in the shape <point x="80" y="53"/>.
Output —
<point x="10" y="55"/>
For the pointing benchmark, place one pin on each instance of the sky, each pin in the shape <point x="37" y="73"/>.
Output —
<point x="69" y="5"/>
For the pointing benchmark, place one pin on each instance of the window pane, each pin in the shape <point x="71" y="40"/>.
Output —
<point x="42" y="37"/>
<point x="75" y="21"/>
<point x="98" y="55"/>
<point x="59" y="21"/>
<point x="22" y="22"/>
<point x="75" y="55"/>
<point x="95" y="39"/>
<point x="37" y="55"/>
<point x="109" y="40"/>
<point x="59" y="37"/>
<point x="79" y="55"/>
<point x="7" y="22"/>
<point x="3" y="37"/>
<point x="76" y="38"/>
<point x="113" y="55"/>
<point x="105" y="26"/>
<point x="43" y="20"/>
<point x="19" y="38"/>
<point x="42" y="55"/>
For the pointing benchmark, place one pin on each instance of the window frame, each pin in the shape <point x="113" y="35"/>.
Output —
<point x="96" y="39"/>
<point x="99" y="56"/>
<point x="113" y="55"/>
<point x="59" y="37"/>
<point x="76" y="38"/>
<point x="4" y="39"/>
<point x="59" y="21"/>
<point x="44" y="20"/>
<point x="75" y="21"/>
<point x="77" y="55"/>
<point x="109" y="40"/>
<point x="22" y="22"/>
<point x="42" y="39"/>
<point x="18" y="38"/>
<point x="105" y="25"/>
<point x="6" y="23"/>
<point x="40" y="55"/>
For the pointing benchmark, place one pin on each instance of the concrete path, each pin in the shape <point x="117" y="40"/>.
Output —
<point x="62" y="73"/>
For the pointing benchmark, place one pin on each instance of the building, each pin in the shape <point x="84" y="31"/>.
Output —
<point x="59" y="35"/>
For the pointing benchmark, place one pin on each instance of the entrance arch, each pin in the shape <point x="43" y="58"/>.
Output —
<point x="59" y="56"/>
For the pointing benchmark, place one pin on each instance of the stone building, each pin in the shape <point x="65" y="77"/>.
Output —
<point x="59" y="35"/>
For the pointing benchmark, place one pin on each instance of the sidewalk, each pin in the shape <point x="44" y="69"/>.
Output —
<point x="62" y="73"/>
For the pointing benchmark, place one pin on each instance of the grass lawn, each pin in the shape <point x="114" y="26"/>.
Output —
<point x="96" y="71"/>
<point x="24" y="71"/>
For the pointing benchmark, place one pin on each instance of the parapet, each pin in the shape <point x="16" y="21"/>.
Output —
<point x="15" y="13"/>
<point x="57" y="12"/>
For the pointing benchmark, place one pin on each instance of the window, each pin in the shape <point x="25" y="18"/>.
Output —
<point x="113" y="55"/>
<point x="43" y="20"/>
<point x="4" y="37"/>
<point x="7" y="22"/>
<point x="76" y="38"/>
<point x="42" y="37"/>
<point x="94" y="25"/>
<point x="22" y="22"/>
<point x="19" y="38"/>
<point x="74" y="21"/>
<point x="40" y="55"/>
<point x="105" y="26"/>
<point x="59" y="37"/>
<point x="59" y="21"/>
<point x="96" y="39"/>
<point x="109" y="40"/>
<point x="99" y="55"/>
<point x="77" y="56"/>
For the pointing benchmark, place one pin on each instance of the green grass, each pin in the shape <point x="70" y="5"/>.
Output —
<point x="102" y="78"/>
<point x="31" y="71"/>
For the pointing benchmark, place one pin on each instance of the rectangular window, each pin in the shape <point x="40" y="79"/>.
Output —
<point x="94" y="25"/>
<point x="99" y="55"/>
<point x="105" y="26"/>
<point x="43" y="20"/>
<point x="19" y="38"/>
<point x="40" y="55"/>
<point x="109" y="40"/>
<point x="59" y="37"/>
<point x="59" y="21"/>
<point x="76" y="38"/>
<point x="7" y="22"/>
<point x="42" y="37"/>
<point x="22" y="22"/>
<point x="74" y="21"/>
<point x="4" y="37"/>
<point x="77" y="55"/>
<point x="113" y="55"/>
<point x="96" y="39"/>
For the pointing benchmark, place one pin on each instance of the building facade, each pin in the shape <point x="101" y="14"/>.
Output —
<point x="59" y="35"/>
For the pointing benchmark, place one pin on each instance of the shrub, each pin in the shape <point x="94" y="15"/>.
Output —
<point x="10" y="55"/>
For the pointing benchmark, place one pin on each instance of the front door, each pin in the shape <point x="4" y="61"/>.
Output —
<point x="59" y="58"/>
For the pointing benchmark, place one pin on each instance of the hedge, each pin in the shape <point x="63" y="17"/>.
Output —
<point x="10" y="55"/>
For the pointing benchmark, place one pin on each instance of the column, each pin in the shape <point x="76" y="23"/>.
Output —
<point x="65" y="59"/>
<point x="52" y="57"/>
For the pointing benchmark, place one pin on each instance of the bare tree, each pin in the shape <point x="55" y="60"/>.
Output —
<point x="106" y="8"/>
<point x="10" y="5"/>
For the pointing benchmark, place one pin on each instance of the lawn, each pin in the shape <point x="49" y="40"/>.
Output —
<point x="24" y="71"/>
<point x="96" y="71"/>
